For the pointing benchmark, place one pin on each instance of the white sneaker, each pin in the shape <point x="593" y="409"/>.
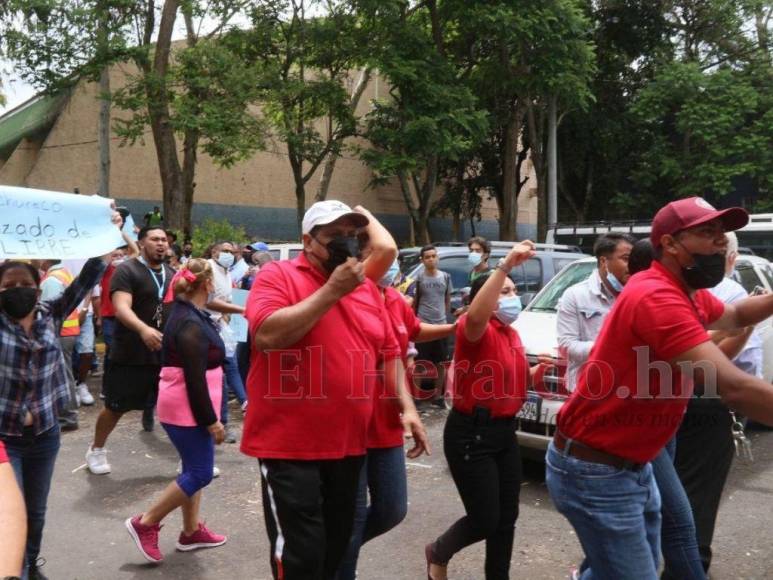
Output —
<point x="215" y="470"/>
<point x="244" y="406"/>
<point x="84" y="395"/>
<point x="96" y="459"/>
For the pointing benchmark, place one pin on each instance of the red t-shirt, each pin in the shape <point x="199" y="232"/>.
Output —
<point x="106" y="307"/>
<point x="492" y="372"/>
<point x="314" y="400"/>
<point x="386" y="428"/>
<point x="3" y="454"/>
<point x="610" y="410"/>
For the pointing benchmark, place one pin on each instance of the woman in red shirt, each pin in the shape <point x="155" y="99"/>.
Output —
<point x="491" y="376"/>
<point x="383" y="475"/>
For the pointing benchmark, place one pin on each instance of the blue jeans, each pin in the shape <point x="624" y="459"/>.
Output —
<point x="196" y="448"/>
<point x="615" y="513"/>
<point x="678" y="538"/>
<point x="232" y="380"/>
<point x="383" y="474"/>
<point x="32" y="458"/>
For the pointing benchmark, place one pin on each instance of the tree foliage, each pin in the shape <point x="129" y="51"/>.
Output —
<point x="193" y="94"/>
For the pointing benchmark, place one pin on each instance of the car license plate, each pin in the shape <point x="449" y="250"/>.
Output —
<point x="531" y="408"/>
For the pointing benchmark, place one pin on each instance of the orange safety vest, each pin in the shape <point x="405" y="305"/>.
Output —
<point x="71" y="325"/>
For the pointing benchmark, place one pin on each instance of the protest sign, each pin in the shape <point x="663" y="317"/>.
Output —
<point x="238" y="323"/>
<point x="129" y="227"/>
<point x="38" y="224"/>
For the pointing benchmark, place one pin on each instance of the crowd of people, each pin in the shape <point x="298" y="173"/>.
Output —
<point x="328" y="401"/>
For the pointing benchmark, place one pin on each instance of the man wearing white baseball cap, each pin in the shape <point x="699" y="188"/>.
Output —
<point x="321" y="339"/>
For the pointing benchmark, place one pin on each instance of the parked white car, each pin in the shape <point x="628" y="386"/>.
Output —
<point x="284" y="251"/>
<point x="536" y="326"/>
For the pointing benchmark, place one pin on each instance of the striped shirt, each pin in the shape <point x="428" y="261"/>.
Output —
<point x="32" y="368"/>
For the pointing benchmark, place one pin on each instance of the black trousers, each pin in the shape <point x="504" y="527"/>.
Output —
<point x="485" y="464"/>
<point x="309" y="512"/>
<point x="704" y="453"/>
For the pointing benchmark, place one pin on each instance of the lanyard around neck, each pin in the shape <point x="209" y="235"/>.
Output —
<point x="160" y="285"/>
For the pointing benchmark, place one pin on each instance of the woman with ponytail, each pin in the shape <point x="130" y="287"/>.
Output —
<point x="190" y="389"/>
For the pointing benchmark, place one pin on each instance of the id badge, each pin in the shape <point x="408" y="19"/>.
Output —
<point x="158" y="316"/>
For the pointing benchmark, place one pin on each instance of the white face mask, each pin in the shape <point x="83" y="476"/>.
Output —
<point x="508" y="309"/>
<point x="226" y="260"/>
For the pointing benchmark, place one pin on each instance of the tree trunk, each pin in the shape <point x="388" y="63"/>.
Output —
<point x="104" y="133"/>
<point x="190" y="148"/>
<point x="330" y="163"/>
<point x="509" y="210"/>
<point x="296" y="165"/>
<point x="535" y="139"/>
<point x="163" y="134"/>
<point x="413" y="212"/>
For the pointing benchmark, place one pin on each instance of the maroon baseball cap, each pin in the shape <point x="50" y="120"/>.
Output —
<point x="686" y="213"/>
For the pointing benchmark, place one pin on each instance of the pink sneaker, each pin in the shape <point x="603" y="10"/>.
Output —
<point x="201" y="538"/>
<point x="146" y="538"/>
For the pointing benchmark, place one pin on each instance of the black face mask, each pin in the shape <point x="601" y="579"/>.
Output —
<point x="707" y="271"/>
<point x="339" y="249"/>
<point x="19" y="301"/>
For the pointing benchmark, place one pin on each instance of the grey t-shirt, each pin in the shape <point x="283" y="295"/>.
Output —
<point x="431" y="292"/>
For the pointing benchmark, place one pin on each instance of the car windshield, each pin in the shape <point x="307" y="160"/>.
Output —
<point x="547" y="300"/>
<point x="768" y="271"/>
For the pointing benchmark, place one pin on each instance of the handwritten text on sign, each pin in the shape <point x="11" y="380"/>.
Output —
<point x="47" y="224"/>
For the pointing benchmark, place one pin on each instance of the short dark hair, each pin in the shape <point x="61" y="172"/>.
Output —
<point x="426" y="248"/>
<point x="606" y="244"/>
<point x="13" y="264"/>
<point x="641" y="256"/>
<point x="477" y="284"/>
<point x="482" y="242"/>
<point x="143" y="233"/>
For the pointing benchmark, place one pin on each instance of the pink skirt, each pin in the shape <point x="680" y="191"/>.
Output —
<point x="173" y="406"/>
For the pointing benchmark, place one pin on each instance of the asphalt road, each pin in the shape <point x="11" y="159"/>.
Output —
<point x="85" y="538"/>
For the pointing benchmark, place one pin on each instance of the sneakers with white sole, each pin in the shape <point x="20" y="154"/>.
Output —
<point x="146" y="538"/>
<point x="201" y="538"/>
<point x="96" y="459"/>
<point x="84" y="395"/>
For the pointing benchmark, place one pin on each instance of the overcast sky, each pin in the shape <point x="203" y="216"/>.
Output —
<point x="16" y="91"/>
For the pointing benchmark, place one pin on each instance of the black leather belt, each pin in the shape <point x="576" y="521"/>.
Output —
<point x="582" y="451"/>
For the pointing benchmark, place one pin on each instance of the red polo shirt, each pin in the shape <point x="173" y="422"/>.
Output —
<point x="386" y="428"/>
<point x="492" y="372"/>
<point x="629" y="414"/>
<point x="314" y="400"/>
<point x="3" y="454"/>
<point x="106" y="307"/>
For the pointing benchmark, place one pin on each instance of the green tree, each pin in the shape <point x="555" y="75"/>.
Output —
<point x="704" y="119"/>
<point x="515" y="57"/>
<point x="429" y="118"/>
<point x="193" y="96"/>
<point x="598" y="145"/>
<point x="307" y="58"/>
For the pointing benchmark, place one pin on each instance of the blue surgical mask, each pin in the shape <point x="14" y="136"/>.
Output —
<point x="474" y="258"/>
<point x="226" y="260"/>
<point x="509" y="309"/>
<point x="389" y="278"/>
<point x="617" y="286"/>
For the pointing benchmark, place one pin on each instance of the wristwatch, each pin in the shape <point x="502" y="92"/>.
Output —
<point x="502" y="265"/>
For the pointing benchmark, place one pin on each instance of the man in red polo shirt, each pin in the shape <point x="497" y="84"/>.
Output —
<point x="321" y="337"/>
<point x="632" y="393"/>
